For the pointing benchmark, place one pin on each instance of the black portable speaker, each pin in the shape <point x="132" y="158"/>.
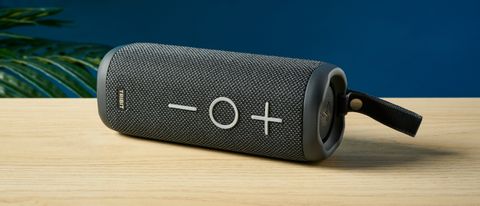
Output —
<point x="264" y="105"/>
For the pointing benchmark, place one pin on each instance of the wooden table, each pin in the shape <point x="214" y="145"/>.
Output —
<point x="58" y="152"/>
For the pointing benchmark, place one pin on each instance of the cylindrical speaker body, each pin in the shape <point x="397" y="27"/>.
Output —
<point x="256" y="104"/>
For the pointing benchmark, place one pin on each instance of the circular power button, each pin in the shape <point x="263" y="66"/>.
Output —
<point x="218" y="124"/>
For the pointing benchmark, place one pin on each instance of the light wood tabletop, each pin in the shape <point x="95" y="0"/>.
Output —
<point x="58" y="152"/>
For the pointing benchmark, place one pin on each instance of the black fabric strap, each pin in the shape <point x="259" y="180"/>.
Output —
<point x="389" y="114"/>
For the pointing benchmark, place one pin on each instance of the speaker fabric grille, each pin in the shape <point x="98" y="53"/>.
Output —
<point x="154" y="76"/>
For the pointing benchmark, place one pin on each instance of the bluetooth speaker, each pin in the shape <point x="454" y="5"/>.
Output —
<point x="272" y="106"/>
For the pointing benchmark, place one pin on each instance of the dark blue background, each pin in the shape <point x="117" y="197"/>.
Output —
<point x="388" y="48"/>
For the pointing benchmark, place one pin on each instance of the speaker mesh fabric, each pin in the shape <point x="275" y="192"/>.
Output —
<point x="155" y="75"/>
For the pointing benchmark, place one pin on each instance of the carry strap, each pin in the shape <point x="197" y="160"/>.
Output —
<point x="389" y="114"/>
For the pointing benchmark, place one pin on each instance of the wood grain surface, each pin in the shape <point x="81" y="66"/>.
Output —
<point x="58" y="152"/>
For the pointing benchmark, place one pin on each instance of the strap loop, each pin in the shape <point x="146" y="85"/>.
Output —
<point x="389" y="114"/>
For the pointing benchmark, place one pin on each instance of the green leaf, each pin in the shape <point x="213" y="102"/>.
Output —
<point x="11" y="35"/>
<point x="6" y="53"/>
<point x="77" y="75"/>
<point x="53" y="81"/>
<point x="18" y="84"/>
<point x="19" y="73"/>
<point x="36" y="67"/>
<point x="92" y="69"/>
<point x="63" y="80"/>
<point x="14" y="17"/>
<point x="8" y="91"/>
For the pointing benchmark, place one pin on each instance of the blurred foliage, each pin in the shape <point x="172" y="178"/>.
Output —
<point x="35" y="67"/>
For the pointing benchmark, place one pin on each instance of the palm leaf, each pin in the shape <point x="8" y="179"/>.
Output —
<point x="23" y="74"/>
<point x="33" y="67"/>
<point x="13" y="17"/>
<point x="91" y="68"/>
<point x="60" y="65"/>
<point x="53" y="80"/>
<point x="9" y="91"/>
<point x="76" y="74"/>
<point x="12" y="35"/>
<point x="17" y="86"/>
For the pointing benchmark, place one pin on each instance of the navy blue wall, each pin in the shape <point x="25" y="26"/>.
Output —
<point x="388" y="48"/>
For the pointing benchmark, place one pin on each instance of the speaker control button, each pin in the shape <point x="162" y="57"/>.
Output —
<point x="266" y="118"/>
<point x="210" y="113"/>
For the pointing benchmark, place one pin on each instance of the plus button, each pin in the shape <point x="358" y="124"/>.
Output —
<point x="266" y="118"/>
